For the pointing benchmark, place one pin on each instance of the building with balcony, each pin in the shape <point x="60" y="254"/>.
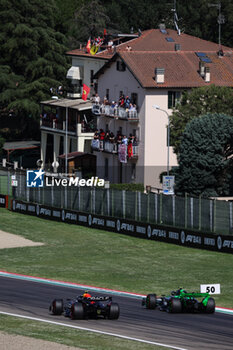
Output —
<point x="151" y="68"/>
<point x="154" y="70"/>
<point x="81" y="122"/>
<point x="66" y="126"/>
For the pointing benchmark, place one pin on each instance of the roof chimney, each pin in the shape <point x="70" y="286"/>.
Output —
<point x="159" y="75"/>
<point x="202" y="69"/>
<point x="177" y="47"/>
<point x="207" y="74"/>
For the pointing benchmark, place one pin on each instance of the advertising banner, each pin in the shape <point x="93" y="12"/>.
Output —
<point x="183" y="237"/>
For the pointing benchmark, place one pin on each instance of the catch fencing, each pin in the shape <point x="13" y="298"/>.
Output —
<point x="200" y="214"/>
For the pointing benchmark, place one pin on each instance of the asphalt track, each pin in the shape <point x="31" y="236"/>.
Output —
<point x="186" y="331"/>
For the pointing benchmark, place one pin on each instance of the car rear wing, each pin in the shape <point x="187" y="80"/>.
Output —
<point x="97" y="298"/>
<point x="194" y="295"/>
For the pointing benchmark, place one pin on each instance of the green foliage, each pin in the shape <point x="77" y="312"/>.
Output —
<point x="2" y="140"/>
<point x="89" y="21"/>
<point x="205" y="160"/>
<point x="209" y="99"/>
<point x="32" y="55"/>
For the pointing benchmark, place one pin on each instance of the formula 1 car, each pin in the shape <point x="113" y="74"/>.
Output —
<point x="181" y="301"/>
<point x="84" y="307"/>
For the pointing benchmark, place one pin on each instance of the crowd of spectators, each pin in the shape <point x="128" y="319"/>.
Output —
<point x="123" y="102"/>
<point x="108" y="136"/>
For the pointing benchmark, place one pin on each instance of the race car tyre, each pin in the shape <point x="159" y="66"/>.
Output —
<point x="151" y="301"/>
<point x="56" y="307"/>
<point x="77" y="312"/>
<point x="210" y="307"/>
<point x="114" y="311"/>
<point x="175" y="305"/>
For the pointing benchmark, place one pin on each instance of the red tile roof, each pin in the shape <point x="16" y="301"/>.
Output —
<point x="151" y="50"/>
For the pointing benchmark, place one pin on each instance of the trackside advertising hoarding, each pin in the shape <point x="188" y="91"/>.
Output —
<point x="3" y="201"/>
<point x="201" y="240"/>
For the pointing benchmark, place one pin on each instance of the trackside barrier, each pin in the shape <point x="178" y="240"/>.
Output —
<point x="196" y="214"/>
<point x="183" y="237"/>
<point x="3" y="201"/>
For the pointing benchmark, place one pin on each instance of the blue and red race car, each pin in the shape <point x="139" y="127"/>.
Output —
<point x="86" y="306"/>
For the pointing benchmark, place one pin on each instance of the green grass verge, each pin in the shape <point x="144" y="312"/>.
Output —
<point x="110" y="260"/>
<point x="68" y="336"/>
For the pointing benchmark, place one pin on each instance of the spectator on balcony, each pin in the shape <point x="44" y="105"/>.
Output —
<point x="122" y="101"/>
<point x="102" y="135"/>
<point x="96" y="135"/>
<point x="113" y="104"/>
<point x="119" y="138"/>
<point x="125" y="140"/>
<point x="97" y="99"/>
<point x="127" y="102"/>
<point x="111" y="137"/>
<point x="105" y="100"/>
<point x="135" y="141"/>
<point x="107" y="136"/>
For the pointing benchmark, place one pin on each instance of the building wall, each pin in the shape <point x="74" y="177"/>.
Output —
<point x="156" y="150"/>
<point x="87" y="64"/>
<point x="151" y="128"/>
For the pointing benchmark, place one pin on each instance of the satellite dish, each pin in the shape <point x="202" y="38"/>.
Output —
<point x="55" y="97"/>
<point x="39" y="162"/>
<point x="55" y="164"/>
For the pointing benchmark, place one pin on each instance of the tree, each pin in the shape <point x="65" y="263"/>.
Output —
<point x="200" y="101"/>
<point x="205" y="160"/>
<point x="90" y="20"/>
<point x="32" y="56"/>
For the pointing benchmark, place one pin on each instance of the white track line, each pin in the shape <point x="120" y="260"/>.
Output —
<point x="92" y="330"/>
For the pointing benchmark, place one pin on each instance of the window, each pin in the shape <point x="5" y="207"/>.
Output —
<point x="92" y="76"/>
<point x="134" y="98"/>
<point x="173" y="98"/>
<point x="120" y="66"/>
<point x="107" y="94"/>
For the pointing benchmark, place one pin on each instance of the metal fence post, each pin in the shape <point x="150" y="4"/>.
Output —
<point x="136" y="206"/>
<point x="174" y="210"/>
<point x="112" y="202"/>
<point x="123" y="203"/>
<point x="156" y="207"/>
<point x="108" y="202"/>
<point x="199" y="212"/>
<point x="139" y="206"/>
<point x="230" y="216"/>
<point x="160" y="208"/>
<point x="8" y="182"/>
<point x="148" y="207"/>
<point x="211" y="215"/>
<point x="214" y="218"/>
<point x="186" y="210"/>
<point x="191" y="211"/>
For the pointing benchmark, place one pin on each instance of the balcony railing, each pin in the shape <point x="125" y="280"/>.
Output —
<point x="111" y="147"/>
<point x="116" y="112"/>
<point x="61" y="125"/>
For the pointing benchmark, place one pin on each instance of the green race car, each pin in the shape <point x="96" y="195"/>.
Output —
<point x="181" y="301"/>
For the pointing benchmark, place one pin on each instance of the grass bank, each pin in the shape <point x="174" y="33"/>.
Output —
<point x="68" y="336"/>
<point x="110" y="260"/>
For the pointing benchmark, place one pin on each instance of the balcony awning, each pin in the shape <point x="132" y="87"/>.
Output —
<point x="78" y="104"/>
<point x="74" y="73"/>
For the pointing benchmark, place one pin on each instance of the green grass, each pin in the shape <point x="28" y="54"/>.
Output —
<point x="68" y="336"/>
<point x="105" y="259"/>
<point x="110" y="260"/>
